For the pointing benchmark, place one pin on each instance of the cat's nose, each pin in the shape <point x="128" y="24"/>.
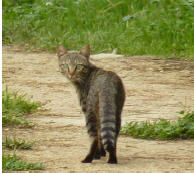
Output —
<point x="71" y="70"/>
<point x="69" y="76"/>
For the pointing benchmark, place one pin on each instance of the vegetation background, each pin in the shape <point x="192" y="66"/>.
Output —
<point x="162" y="28"/>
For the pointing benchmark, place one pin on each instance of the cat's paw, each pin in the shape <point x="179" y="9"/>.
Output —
<point x="103" y="153"/>
<point x="97" y="156"/>
<point x="88" y="159"/>
<point x="112" y="161"/>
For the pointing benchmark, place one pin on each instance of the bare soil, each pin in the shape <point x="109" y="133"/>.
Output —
<point x="156" y="88"/>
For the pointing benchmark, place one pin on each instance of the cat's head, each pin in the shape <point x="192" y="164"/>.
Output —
<point x="73" y="64"/>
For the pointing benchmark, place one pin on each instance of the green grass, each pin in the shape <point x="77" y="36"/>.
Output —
<point x="183" y="128"/>
<point x="146" y="27"/>
<point x="13" y="163"/>
<point x="14" y="106"/>
<point x="17" y="144"/>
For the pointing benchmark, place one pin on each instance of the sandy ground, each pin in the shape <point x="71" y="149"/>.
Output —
<point x="155" y="89"/>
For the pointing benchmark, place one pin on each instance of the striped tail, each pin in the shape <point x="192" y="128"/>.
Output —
<point x="108" y="124"/>
<point x="108" y="135"/>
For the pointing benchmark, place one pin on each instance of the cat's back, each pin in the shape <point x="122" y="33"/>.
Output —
<point x="103" y="80"/>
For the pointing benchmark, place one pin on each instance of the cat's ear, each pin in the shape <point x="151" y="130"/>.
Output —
<point x="85" y="51"/>
<point x="61" y="50"/>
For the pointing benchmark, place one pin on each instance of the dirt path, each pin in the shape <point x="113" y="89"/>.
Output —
<point x="155" y="89"/>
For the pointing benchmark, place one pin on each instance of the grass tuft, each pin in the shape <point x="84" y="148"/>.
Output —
<point x="156" y="27"/>
<point x="14" y="106"/>
<point x="13" y="163"/>
<point x="17" y="144"/>
<point x="183" y="128"/>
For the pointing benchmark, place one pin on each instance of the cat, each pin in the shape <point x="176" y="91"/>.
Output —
<point x="101" y="94"/>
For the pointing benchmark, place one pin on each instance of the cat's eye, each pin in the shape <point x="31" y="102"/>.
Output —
<point x="79" y="67"/>
<point x="65" y="66"/>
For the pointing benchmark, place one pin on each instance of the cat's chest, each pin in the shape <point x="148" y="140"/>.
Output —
<point x="82" y="97"/>
<point x="83" y="103"/>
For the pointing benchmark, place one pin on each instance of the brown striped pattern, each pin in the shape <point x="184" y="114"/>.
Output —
<point x="101" y="94"/>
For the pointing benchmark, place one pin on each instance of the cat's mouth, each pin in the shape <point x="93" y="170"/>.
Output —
<point x="72" y="78"/>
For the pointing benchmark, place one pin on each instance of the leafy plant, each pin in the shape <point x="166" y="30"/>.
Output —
<point x="17" y="144"/>
<point x="162" y="28"/>
<point x="14" y="106"/>
<point x="183" y="128"/>
<point x="13" y="163"/>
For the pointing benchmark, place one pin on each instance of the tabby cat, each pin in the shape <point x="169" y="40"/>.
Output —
<point x="101" y="94"/>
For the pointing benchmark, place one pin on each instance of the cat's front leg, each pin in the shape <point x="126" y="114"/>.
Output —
<point x="91" y="124"/>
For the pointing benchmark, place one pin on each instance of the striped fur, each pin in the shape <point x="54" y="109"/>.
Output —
<point x="101" y="94"/>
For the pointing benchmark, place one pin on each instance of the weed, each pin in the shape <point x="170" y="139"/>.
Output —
<point x="15" y="164"/>
<point x="162" y="28"/>
<point x="183" y="128"/>
<point x="17" y="144"/>
<point x="14" y="106"/>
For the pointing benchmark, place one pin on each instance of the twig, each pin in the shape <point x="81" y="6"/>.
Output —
<point x="113" y="6"/>
<point x="109" y="2"/>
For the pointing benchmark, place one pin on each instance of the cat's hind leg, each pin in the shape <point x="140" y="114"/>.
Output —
<point x="91" y="124"/>
<point x="103" y="152"/>
<point x="100" y="152"/>
<point x="112" y="159"/>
